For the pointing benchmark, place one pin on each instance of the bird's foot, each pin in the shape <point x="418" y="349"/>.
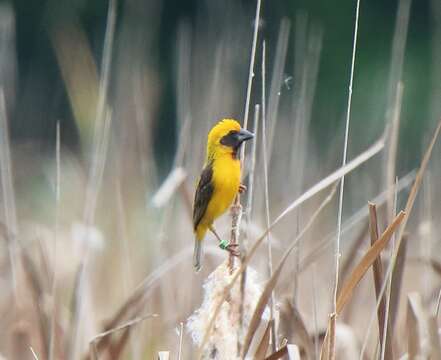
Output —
<point x="242" y="188"/>
<point x="231" y="248"/>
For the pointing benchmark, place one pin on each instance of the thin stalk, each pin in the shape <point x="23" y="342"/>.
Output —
<point x="251" y="73"/>
<point x="342" y="183"/>
<point x="248" y="213"/>
<point x="56" y="230"/>
<point x="314" y="312"/>
<point x="267" y="214"/>
<point x="277" y="81"/>
<point x="8" y="191"/>
<point x="236" y="209"/>
<point x="181" y="340"/>
<point x="408" y="209"/>
<point x="100" y="143"/>
<point x="321" y="185"/>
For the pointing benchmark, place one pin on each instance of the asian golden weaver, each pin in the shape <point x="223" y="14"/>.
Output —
<point x="219" y="182"/>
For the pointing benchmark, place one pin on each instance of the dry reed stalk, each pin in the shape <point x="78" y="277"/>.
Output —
<point x="271" y="283"/>
<point x="435" y="351"/>
<point x="306" y="67"/>
<point x="408" y="209"/>
<point x="183" y="91"/>
<point x="392" y="151"/>
<point x="33" y="278"/>
<point x="236" y="209"/>
<point x="378" y="280"/>
<point x="93" y="344"/>
<point x="354" y="220"/>
<point x="323" y="184"/>
<point x="181" y="340"/>
<point x="413" y="314"/>
<point x="293" y="328"/>
<point x="396" y="283"/>
<point x="52" y="338"/>
<point x="266" y="197"/>
<point x="263" y="347"/>
<point x="438" y="303"/>
<point x="342" y="183"/>
<point x="7" y="183"/>
<point x="276" y="81"/>
<point x="356" y="275"/>
<point x="101" y="138"/>
<point x="34" y="354"/>
<point x="248" y="214"/>
<point x="351" y="255"/>
<point x="367" y="261"/>
<point x="279" y="354"/>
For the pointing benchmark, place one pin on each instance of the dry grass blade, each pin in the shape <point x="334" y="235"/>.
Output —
<point x="37" y="292"/>
<point x="94" y="342"/>
<point x="34" y="354"/>
<point x="332" y="178"/>
<point x="414" y="191"/>
<point x="378" y="280"/>
<point x="366" y="262"/>
<point x="397" y="279"/>
<point x="351" y="255"/>
<point x="435" y="346"/>
<point x="262" y="349"/>
<point x="7" y="187"/>
<point x="266" y="157"/>
<point x="413" y="314"/>
<point x="408" y="209"/>
<point x="251" y="72"/>
<point x="269" y="287"/>
<point x="337" y="253"/>
<point x="279" y="354"/>
<point x="359" y="215"/>
<point x="336" y="175"/>
<point x="277" y="81"/>
<point x="181" y="340"/>
<point x="328" y="346"/>
<point x="291" y="326"/>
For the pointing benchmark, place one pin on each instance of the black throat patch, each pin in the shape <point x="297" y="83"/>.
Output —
<point x="232" y="140"/>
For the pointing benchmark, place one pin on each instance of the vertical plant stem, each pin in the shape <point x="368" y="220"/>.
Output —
<point x="248" y="215"/>
<point x="342" y="183"/>
<point x="236" y="208"/>
<point x="99" y="152"/>
<point x="378" y="280"/>
<point x="8" y="192"/>
<point x="56" y="230"/>
<point x="267" y="214"/>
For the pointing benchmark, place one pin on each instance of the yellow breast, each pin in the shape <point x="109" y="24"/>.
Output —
<point x="226" y="180"/>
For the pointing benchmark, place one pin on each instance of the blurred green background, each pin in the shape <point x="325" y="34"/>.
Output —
<point x="41" y="97"/>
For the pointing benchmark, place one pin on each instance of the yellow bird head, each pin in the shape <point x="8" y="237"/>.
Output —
<point x="225" y="138"/>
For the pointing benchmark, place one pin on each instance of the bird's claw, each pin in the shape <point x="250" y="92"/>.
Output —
<point x="242" y="188"/>
<point x="231" y="248"/>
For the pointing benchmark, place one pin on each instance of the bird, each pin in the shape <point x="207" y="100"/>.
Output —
<point x="218" y="183"/>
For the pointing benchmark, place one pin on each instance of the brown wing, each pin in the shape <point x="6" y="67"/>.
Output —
<point x="203" y="194"/>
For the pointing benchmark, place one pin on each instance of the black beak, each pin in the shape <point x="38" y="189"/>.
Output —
<point x="244" y="135"/>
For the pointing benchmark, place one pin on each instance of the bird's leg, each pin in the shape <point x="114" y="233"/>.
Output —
<point x="224" y="244"/>
<point x="242" y="188"/>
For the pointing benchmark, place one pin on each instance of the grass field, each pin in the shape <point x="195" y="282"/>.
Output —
<point x="339" y="239"/>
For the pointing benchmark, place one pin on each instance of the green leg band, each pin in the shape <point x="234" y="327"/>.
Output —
<point x="223" y="244"/>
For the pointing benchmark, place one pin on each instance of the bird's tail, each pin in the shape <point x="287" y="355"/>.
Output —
<point x="197" y="254"/>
